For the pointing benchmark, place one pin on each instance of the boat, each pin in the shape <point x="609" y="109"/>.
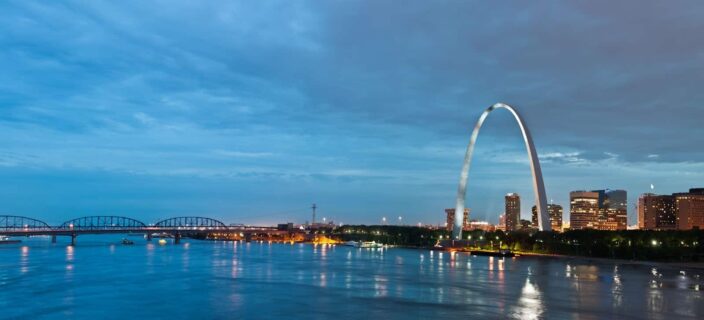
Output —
<point x="162" y="242"/>
<point x="500" y="253"/>
<point x="350" y="243"/>
<point x="127" y="241"/>
<point x="7" y="240"/>
<point x="370" y="245"/>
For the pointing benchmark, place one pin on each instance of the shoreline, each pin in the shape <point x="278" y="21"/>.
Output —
<point x="665" y="264"/>
<point x="519" y="254"/>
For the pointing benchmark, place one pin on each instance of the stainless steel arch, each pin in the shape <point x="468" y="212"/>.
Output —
<point x="538" y="185"/>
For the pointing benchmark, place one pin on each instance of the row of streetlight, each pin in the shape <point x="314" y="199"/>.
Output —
<point x="400" y="220"/>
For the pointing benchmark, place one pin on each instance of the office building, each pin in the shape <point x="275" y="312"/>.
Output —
<point x="584" y="210"/>
<point x="451" y="219"/>
<point x="513" y="212"/>
<point x="555" y="213"/>
<point x="681" y="211"/>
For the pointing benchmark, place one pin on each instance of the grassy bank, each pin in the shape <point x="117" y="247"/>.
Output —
<point x="666" y="246"/>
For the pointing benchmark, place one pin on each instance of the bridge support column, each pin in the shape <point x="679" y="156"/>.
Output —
<point x="149" y="236"/>
<point x="177" y="238"/>
<point x="73" y="239"/>
<point x="248" y="237"/>
<point x="53" y="238"/>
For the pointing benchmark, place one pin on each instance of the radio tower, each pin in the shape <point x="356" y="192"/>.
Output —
<point x="313" y="207"/>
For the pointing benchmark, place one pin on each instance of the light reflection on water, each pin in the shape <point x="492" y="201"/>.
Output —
<point x="99" y="278"/>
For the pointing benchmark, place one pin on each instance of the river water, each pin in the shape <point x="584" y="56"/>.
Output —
<point x="101" y="279"/>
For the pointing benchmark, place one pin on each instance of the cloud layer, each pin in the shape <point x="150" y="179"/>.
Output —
<point x="251" y="111"/>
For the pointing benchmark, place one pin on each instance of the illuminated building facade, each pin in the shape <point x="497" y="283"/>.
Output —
<point x="690" y="209"/>
<point x="555" y="211"/>
<point x="502" y="222"/>
<point x="481" y="225"/>
<point x="599" y="209"/>
<point x="513" y="212"/>
<point x="613" y="208"/>
<point x="682" y="211"/>
<point x="451" y="219"/>
<point x="657" y="212"/>
<point x="584" y="210"/>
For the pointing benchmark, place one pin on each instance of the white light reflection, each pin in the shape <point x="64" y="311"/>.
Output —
<point x="24" y="259"/>
<point x="380" y="286"/>
<point x="617" y="289"/>
<point x="530" y="304"/>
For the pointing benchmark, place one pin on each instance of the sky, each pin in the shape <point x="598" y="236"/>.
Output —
<point x="249" y="112"/>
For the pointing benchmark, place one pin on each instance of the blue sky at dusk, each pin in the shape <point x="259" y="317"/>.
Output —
<point x="250" y="112"/>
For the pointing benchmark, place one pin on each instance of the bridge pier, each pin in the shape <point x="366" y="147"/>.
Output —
<point x="53" y="238"/>
<point x="177" y="238"/>
<point x="73" y="239"/>
<point x="149" y="236"/>
<point x="248" y="237"/>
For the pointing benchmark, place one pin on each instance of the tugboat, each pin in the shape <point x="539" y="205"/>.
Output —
<point x="126" y="241"/>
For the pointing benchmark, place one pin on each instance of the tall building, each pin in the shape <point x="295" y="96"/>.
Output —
<point x="683" y="211"/>
<point x="690" y="209"/>
<point x="656" y="212"/>
<point x="555" y="213"/>
<point x="584" y="210"/>
<point x="599" y="209"/>
<point x="451" y="219"/>
<point x="513" y="212"/>
<point x="613" y="210"/>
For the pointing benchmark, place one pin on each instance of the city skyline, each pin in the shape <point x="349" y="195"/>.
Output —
<point x="142" y="116"/>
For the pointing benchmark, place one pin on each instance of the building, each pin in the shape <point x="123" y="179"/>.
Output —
<point x="481" y="225"/>
<point x="554" y="211"/>
<point x="599" y="209"/>
<point x="682" y="211"/>
<point x="502" y="222"/>
<point x="526" y="225"/>
<point x="584" y="210"/>
<point x="513" y="212"/>
<point x="690" y="209"/>
<point x="451" y="219"/>
<point x="613" y="207"/>
<point x="656" y="212"/>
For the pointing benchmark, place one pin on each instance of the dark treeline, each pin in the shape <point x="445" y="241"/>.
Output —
<point x="394" y="235"/>
<point x="631" y="244"/>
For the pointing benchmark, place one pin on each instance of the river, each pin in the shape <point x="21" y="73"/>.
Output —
<point x="101" y="279"/>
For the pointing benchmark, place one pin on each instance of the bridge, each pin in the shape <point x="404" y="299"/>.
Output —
<point x="176" y="227"/>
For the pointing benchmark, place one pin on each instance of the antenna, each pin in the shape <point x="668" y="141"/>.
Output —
<point x="313" y="207"/>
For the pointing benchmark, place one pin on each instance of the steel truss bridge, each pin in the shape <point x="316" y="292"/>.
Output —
<point x="176" y="227"/>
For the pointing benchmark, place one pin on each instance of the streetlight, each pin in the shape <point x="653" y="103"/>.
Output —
<point x="400" y="219"/>
<point x="383" y="220"/>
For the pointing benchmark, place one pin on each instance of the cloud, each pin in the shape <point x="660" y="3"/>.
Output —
<point x="280" y="91"/>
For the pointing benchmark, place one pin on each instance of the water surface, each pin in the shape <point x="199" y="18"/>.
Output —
<point x="100" y="278"/>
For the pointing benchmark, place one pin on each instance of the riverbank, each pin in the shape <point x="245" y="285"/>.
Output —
<point x="659" y="264"/>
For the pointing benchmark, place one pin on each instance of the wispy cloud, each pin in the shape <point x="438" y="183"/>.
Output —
<point x="300" y="100"/>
